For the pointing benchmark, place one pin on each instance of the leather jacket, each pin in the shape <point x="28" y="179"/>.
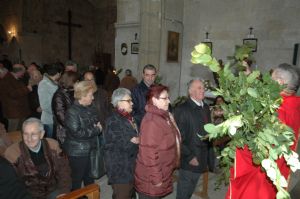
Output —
<point x="61" y="101"/>
<point x="80" y="122"/>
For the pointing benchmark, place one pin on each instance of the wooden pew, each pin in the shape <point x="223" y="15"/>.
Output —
<point x="15" y="136"/>
<point x="91" y="191"/>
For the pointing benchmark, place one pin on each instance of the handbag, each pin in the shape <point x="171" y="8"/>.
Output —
<point x="95" y="161"/>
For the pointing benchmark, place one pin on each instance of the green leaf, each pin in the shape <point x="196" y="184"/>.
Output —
<point x="211" y="128"/>
<point x="214" y="65"/>
<point x="252" y="92"/>
<point x="254" y="75"/>
<point x="202" y="49"/>
<point x="195" y="54"/>
<point x="205" y="58"/>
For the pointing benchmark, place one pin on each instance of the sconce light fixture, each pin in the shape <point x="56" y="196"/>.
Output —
<point x="251" y="40"/>
<point x="250" y="35"/>
<point x="12" y="32"/>
<point x="135" y="37"/>
<point x="207" y="41"/>
<point x="206" y="37"/>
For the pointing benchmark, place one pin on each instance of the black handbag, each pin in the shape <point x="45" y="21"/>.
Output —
<point x="96" y="160"/>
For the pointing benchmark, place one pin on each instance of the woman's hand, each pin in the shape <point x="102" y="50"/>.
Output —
<point x="99" y="126"/>
<point x="135" y="140"/>
<point x="194" y="162"/>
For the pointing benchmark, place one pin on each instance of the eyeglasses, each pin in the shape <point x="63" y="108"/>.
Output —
<point x="33" y="135"/>
<point x="129" y="100"/>
<point x="164" y="98"/>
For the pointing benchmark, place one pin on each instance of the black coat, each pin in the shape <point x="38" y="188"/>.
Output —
<point x="191" y="119"/>
<point x="80" y="123"/>
<point x="11" y="186"/>
<point x="61" y="102"/>
<point x="120" y="153"/>
<point x="138" y="95"/>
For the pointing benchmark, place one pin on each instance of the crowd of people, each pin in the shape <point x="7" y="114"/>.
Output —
<point x="62" y="116"/>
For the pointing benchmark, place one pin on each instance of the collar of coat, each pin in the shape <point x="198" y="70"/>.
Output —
<point x="193" y="104"/>
<point x="153" y="109"/>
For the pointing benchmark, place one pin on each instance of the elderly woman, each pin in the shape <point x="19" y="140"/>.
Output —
<point x="83" y="127"/>
<point x="159" y="147"/>
<point x="62" y="99"/>
<point x="121" y="145"/>
<point x="40" y="162"/>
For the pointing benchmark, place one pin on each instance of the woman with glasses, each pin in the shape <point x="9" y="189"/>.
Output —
<point x="159" y="149"/>
<point x="121" y="145"/>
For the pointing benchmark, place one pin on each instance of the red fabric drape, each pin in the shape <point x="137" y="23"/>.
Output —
<point x="248" y="181"/>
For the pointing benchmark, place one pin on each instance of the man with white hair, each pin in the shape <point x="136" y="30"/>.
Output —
<point x="40" y="162"/>
<point x="196" y="153"/>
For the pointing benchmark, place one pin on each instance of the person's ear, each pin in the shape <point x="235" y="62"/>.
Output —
<point x="154" y="101"/>
<point x="42" y="134"/>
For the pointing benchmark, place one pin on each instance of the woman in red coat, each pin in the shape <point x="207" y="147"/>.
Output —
<point x="159" y="148"/>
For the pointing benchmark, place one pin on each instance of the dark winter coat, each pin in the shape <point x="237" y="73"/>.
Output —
<point x="138" y="95"/>
<point x="11" y="186"/>
<point x="191" y="119"/>
<point x="58" y="176"/>
<point x="81" y="128"/>
<point x="158" y="153"/>
<point x="120" y="152"/>
<point x="61" y="102"/>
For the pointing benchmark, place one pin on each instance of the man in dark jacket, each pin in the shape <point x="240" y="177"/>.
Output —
<point x="11" y="186"/>
<point x="196" y="151"/>
<point x="139" y="92"/>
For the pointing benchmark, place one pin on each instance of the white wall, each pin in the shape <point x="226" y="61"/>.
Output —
<point x="172" y="16"/>
<point x="128" y="17"/>
<point x="276" y="25"/>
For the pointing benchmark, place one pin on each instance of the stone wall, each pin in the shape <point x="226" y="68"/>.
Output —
<point x="42" y="40"/>
<point x="276" y="25"/>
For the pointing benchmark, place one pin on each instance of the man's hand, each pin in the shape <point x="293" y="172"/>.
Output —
<point x="194" y="162"/>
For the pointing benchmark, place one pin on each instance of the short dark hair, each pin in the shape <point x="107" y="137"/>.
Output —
<point x="68" y="79"/>
<point x="53" y="69"/>
<point x="155" y="91"/>
<point x="149" y="67"/>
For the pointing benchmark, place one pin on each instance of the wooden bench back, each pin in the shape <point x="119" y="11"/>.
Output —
<point x="15" y="136"/>
<point x="91" y="191"/>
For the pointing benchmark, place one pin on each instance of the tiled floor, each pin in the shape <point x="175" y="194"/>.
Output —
<point x="106" y="190"/>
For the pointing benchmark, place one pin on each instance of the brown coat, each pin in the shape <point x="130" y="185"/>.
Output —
<point x="58" y="177"/>
<point x="128" y="82"/>
<point x="158" y="153"/>
<point x="14" y="97"/>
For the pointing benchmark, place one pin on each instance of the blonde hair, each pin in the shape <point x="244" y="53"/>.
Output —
<point x="82" y="88"/>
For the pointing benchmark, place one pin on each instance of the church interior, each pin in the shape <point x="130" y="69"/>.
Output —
<point x="129" y="34"/>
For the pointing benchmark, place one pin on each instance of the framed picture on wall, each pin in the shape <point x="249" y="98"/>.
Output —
<point x="172" y="46"/>
<point x="209" y="44"/>
<point x="134" y="48"/>
<point x="252" y="42"/>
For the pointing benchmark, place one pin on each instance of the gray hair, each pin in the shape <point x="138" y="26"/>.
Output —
<point x="118" y="95"/>
<point x="149" y="67"/>
<point x="192" y="81"/>
<point x="33" y="120"/>
<point x="289" y="75"/>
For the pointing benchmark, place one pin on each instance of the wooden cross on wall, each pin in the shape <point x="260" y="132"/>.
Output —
<point x="70" y="25"/>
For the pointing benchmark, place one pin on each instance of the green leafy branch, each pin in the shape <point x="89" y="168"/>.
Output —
<point x="250" y="116"/>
